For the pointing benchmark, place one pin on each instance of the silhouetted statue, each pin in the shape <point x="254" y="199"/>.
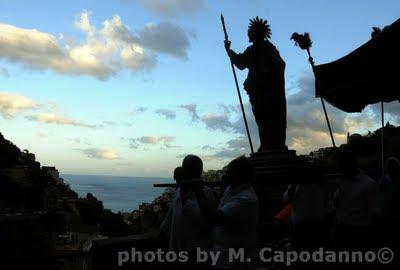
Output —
<point x="265" y="84"/>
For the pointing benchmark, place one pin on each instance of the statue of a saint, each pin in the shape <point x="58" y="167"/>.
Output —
<point x="265" y="84"/>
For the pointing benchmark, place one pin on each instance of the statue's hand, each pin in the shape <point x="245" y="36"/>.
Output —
<point x="227" y="45"/>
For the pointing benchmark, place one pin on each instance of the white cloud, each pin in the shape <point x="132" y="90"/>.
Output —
<point x="391" y="110"/>
<point x="51" y="118"/>
<point x="100" y="153"/>
<point x="156" y="139"/>
<point x="83" y="23"/>
<point x="152" y="140"/>
<point x="172" y="8"/>
<point x="101" y="54"/>
<point x="10" y="104"/>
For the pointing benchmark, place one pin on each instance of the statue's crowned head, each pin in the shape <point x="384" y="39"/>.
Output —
<point x="259" y="30"/>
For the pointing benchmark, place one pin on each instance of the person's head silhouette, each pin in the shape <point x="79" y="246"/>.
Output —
<point x="178" y="174"/>
<point x="239" y="171"/>
<point x="393" y="167"/>
<point x="259" y="30"/>
<point x="347" y="163"/>
<point x="192" y="166"/>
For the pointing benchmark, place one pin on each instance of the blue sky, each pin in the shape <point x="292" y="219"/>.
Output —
<point x="128" y="87"/>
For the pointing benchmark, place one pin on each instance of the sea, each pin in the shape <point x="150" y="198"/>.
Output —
<point x="118" y="193"/>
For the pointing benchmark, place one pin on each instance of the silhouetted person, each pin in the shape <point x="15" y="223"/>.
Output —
<point x="188" y="226"/>
<point x="235" y="219"/>
<point x="358" y="205"/>
<point x="179" y="175"/>
<point x="391" y="202"/>
<point x="308" y="213"/>
<point x="165" y="226"/>
<point x="265" y="84"/>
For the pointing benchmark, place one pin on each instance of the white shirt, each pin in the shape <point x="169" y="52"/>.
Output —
<point x="359" y="199"/>
<point x="240" y="209"/>
<point x="187" y="223"/>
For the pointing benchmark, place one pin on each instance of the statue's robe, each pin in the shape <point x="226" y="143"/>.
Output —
<point x="265" y="85"/>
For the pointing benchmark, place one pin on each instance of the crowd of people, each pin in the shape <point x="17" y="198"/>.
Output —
<point x="196" y="221"/>
<point x="364" y="210"/>
<point x="358" y="213"/>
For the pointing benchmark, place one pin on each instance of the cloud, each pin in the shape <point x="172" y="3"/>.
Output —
<point x="51" y="118"/>
<point x="156" y="139"/>
<point x="228" y="154"/>
<point x="102" y="53"/>
<point x="10" y="104"/>
<point x="234" y="148"/>
<point x="239" y="143"/>
<point x="108" y="123"/>
<point x="167" y="141"/>
<point x="207" y="147"/>
<point x="173" y="8"/>
<point x="4" y="72"/>
<point x="217" y="122"/>
<point x="192" y="109"/>
<point x="360" y="121"/>
<point x="100" y="153"/>
<point x="165" y="38"/>
<point x="74" y="140"/>
<point x="306" y="125"/>
<point x="392" y="111"/>
<point x="79" y="141"/>
<point x="168" y="114"/>
<point x="228" y="109"/>
<point x="137" y="111"/>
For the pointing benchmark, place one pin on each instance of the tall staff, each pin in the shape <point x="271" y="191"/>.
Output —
<point x="237" y="88"/>
<point x="304" y="42"/>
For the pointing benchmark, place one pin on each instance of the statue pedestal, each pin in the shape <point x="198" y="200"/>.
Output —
<point x="274" y="171"/>
<point x="273" y="156"/>
<point x="274" y="164"/>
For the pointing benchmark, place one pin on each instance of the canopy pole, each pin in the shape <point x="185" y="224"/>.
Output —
<point x="304" y="42"/>
<point x="311" y="60"/>
<point x="327" y="121"/>
<point x="382" y="141"/>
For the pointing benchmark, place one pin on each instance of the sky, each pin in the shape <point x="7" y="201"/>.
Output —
<point x="129" y="87"/>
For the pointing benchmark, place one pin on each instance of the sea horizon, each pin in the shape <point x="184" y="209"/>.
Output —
<point x="118" y="193"/>
<point x="105" y="175"/>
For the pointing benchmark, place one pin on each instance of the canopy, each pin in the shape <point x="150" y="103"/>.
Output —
<point x="368" y="75"/>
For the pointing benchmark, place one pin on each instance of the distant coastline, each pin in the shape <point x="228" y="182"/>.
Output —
<point x="118" y="193"/>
